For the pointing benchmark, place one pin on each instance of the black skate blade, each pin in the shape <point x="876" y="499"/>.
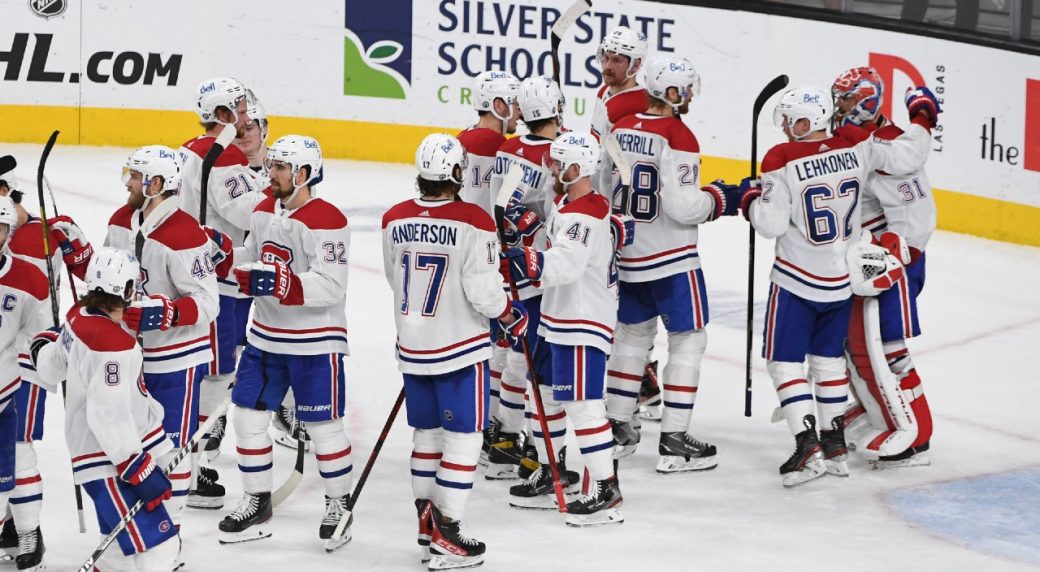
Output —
<point x="534" y="503"/>
<point x="332" y="545"/>
<point x="248" y="535"/>
<point x="451" y="562"/>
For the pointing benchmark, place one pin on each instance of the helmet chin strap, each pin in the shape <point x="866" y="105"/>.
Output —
<point x="296" y="189"/>
<point x="147" y="198"/>
<point x="567" y="184"/>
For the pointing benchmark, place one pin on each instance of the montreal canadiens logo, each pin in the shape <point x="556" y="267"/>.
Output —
<point x="48" y="9"/>
<point x="164" y="526"/>
<point x="273" y="252"/>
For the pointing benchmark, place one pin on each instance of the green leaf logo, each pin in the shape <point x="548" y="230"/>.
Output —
<point x="365" y="72"/>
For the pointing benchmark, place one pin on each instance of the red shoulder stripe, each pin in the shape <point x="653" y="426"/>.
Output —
<point x="27" y="278"/>
<point x="179" y="232"/>
<point x="592" y="204"/>
<point x="319" y="214"/>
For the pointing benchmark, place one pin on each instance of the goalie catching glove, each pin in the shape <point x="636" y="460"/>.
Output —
<point x="872" y="268"/>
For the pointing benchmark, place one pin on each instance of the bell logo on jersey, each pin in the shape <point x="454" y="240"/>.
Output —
<point x="272" y="252"/>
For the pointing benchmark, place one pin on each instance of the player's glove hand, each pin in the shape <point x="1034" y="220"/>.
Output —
<point x="921" y="102"/>
<point x="75" y="248"/>
<point x="149" y="484"/>
<point x="750" y="189"/>
<point x="517" y="329"/>
<point x="524" y="263"/>
<point x="270" y="279"/>
<point x="152" y="313"/>
<point x="221" y="252"/>
<point x="523" y="224"/>
<point x="872" y="269"/>
<point x="726" y="197"/>
<point x="896" y="246"/>
<point x="622" y="230"/>
<point x="46" y="337"/>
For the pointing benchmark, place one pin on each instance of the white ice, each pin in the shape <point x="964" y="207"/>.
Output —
<point x="981" y="323"/>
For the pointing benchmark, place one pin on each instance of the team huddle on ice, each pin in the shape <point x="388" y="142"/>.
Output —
<point x="529" y="278"/>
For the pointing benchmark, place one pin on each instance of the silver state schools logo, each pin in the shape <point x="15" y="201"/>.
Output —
<point x="48" y="9"/>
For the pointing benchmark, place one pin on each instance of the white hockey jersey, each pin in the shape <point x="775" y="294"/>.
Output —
<point x="27" y="245"/>
<point x="903" y="204"/>
<point x="532" y="155"/>
<point x="810" y="203"/>
<point x="314" y="241"/>
<point x="23" y="290"/>
<point x="665" y="200"/>
<point x="607" y="110"/>
<point x="109" y="414"/>
<point x="175" y="262"/>
<point x="441" y="259"/>
<point x="579" y="278"/>
<point x="481" y="144"/>
<point x="231" y="194"/>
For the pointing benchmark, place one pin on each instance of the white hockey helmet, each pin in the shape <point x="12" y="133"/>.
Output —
<point x="540" y="98"/>
<point x="257" y="113"/>
<point x="575" y="148"/>
<point x="664" y="72"/>
<point x="8" y="216"/>
<point x="154" y="161"/>
<point x="437" y="157"/>
<point x="218" y="92"/>
<point x="297" y="151"/>
<point x="492" y="85"/>
<point x="627" y="42"/>
<point x="113" y="271"/>
<point x="804" y="102"/>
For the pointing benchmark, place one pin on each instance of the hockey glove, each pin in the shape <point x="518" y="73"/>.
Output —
<point x="622" y="230"/>
<point x="750" y="189"/>
<point x="152" y="313"/>
<point x="48" y="336"/>
<point x="872" y="270"/>
<point x="726" y="198"/>
<point x="517" y="329"/>
<point x="150" y="485"/>
<point x="523" y="224"/>
<point x="524" y="263"/>
<point x="75" y="248"/>
<point x="270" y="279"/>
<point x="221" y="252"/>
<point x="896" y="246"/>
<point x="922" y="102"/>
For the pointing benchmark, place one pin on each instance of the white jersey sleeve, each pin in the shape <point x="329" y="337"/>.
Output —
<point x="900" y="156"/>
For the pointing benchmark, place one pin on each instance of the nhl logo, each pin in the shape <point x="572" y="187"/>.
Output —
<point x="48" y="9"/>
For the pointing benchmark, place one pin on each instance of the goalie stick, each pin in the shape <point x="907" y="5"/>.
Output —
<point x="88" y="565"/>
<point x="771" y="89"/>
<point x="560" y="27"/>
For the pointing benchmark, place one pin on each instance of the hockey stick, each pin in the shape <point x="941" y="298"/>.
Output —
<point x="296" y="476"/>
<point x="624" y="172"/>
<point x="52" y="282"/>
<point x="778" y="83"/>
<point x="509" y="184"/>
<point x="566" y="20"/>
<point x="223" y="140"/>
<point x="7" y="164"/>
<point x="184" y="451"/>
<point x="337" y="534"/>
<point x="54" y="203"/>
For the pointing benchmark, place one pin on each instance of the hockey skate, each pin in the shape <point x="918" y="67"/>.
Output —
<point x="334" y="509"/>
<point x="30" y="551"/>
<point x="8" y="541"/>
<point x="835" y="452"/>
<point x="216" y="437"/>
<point x="503" y="456"/>
<point x="489" y="437"/>
<point x="538" y="491"/>
<point x="243" y="525"/>
<point x="599" y="507"/>
<point x="449" y="548"/>
<point x="626" y="437"/>
<point x="806" y="463"/>
<point x="912" y="457"/>
<point x="208" y="494"/>
<point x="286" y="427"/>
<point x="424" y="509"/>
<point x="681" y="453"/>
<point x="651" y="406"/>
<point x="529" y="462"/>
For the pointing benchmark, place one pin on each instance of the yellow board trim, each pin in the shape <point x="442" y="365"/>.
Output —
<point x="367" y="141"/>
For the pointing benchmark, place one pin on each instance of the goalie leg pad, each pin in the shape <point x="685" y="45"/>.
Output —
<point x="253" y="446"/>
<point x="625" y="367"/>
<point x="332" y="448"/>
<point x="681" y="378"/>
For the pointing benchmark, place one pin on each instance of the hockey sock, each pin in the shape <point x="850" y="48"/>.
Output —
<point x="595" y="439"/>
<point x="158" y="558"/>
<point x="214" y="388"/>
<point x="556" y="419"/>
<point x="456" y="472"/>
<point x="180" y="482"/>
<point x="253" y="447"/>
<point x="427" y="445"/>
<point x="832" y="387"/>
<point x="682" y="375"/>
<point x="792" y="389"/>
<point x="498" y="364"/>
<point x="27" y="497"/>
<point x="512" y="392"/>
<point x="625" y="367"/>
<point x="332" y="448"/>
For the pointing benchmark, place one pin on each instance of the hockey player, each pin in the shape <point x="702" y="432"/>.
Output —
<point x="660" y="272"/>
<point x="808" y="200"/>
<point x="541" y="107"/>
<point x="230" y="201"/>
<point x="905" y="206"/>
<point x="294" y="262"/>
<point x="494" y="98"/>
<point x="253" y="142"/>
<point x="579" y="310"/>
<point x="440" y="258"/>
<point x="113" y="426"/>
<point x="23" y="289"/>
<point x="178" y="297"/>
<point x="621" y="55"/>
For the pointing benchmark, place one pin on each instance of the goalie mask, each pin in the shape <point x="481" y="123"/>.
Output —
<point x="872" y="270"/>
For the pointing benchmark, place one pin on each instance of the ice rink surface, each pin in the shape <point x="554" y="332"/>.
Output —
<point x="977" y="507"/>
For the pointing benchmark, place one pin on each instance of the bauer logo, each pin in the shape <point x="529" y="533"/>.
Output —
<point x="48" y="9"/>
<point x="377" y="49"/>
